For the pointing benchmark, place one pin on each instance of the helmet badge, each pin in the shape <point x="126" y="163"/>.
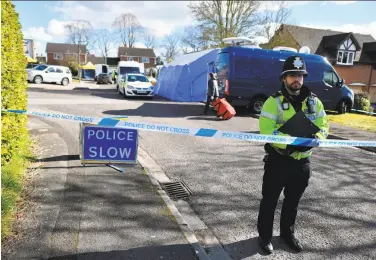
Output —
<point x="298" y="63"/>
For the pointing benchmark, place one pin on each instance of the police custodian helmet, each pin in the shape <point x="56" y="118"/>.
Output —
<point x="294" y="65"/>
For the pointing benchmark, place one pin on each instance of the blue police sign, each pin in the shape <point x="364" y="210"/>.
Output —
<point x="109" y="145"/>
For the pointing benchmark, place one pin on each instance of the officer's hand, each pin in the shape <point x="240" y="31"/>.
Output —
<point x="211" y="97"/>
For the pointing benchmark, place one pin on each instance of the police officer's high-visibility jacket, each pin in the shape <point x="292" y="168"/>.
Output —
<point x="273" y="116"/>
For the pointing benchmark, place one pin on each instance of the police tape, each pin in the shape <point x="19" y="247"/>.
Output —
<point x="122" y="122"/>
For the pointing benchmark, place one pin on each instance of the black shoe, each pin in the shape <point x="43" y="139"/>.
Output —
<point x="266" y="247"/>
<point x="292" y="242"/>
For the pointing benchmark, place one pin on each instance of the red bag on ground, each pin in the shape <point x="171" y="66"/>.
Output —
<point x="223" y="108"/>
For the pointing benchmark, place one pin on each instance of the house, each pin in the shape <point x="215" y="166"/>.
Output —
<point x="62" y="53"/>
<point x="352" y="55"/>
<point x="112" y="62"/>
<point x="142" y="55"/>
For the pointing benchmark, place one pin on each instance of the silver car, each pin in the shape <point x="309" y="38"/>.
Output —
<point x="50" y="73"/>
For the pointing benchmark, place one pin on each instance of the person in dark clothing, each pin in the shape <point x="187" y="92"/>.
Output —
<point x="287" y="167"/>
<point x="212" y="93"/>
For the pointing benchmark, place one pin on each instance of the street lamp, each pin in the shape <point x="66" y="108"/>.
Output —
<point x="79" y="52"/>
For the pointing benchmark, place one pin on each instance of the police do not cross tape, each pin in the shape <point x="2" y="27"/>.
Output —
<point x="202" y="132"/>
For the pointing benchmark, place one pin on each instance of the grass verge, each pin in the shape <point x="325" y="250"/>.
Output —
<point x="12" y="183"/>
<point x="362" y="122"/>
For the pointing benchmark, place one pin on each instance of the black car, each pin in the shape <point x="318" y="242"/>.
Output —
<point x="104" y="78"/>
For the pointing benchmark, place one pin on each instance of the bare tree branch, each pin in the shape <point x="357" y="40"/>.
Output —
<point x="170" y="44"/>
<point x="193" y="40"/>
<point x="81" y="32"/>
<point x="127" y="27"/>
<point x="272" y="20"/>
<point x="104" y="42"/>
<point x="226" y="18"/>
<point x="149" y="38"/>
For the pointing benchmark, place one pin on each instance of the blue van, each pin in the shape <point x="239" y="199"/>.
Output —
<point x="247" y="76"/>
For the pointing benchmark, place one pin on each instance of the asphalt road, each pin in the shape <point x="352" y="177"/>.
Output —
<point x="337" y="215"/>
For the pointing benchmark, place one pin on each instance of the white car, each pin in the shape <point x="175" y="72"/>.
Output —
<point x="133" y="85"/>
<point x="50" y="73"/>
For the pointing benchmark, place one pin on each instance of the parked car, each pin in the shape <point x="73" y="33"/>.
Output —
<point x="135" y="85"/>
<point x="99" y="69"/>
<point x="50" y="73"/>
<point x="104" y="78"/>
<point x="31" y="66"/>
<point x="248" y="76"/>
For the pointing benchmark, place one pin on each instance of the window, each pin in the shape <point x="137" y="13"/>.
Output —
<point x="41" y="67"/>
<point x="145" y="60"/>
<point x="51" y="69"/>
<point x="58" y="56"/>
<point x="125" y="70"/>
<point x="134" y="78"/>
<point x="58" y="70"/>
<point x="345" y="57"/>
<point x="67" y="71"/>
<point x="330" y="78"/>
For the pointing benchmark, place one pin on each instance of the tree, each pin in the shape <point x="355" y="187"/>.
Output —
<point x="170" y="44"/>
<point x="15" y="139"/>
<point x="81" y="32"/>
<point x="127" y="27"/>
<point x="104" y="42"/>
<point x="225" y="19"/>
<point x="272" y="20"/>
<point x="149" y="38"/>
<point x="193" y="40"/>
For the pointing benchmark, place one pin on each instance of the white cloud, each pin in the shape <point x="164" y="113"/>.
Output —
<point x="37" y="33"/>
<point x="56" y="28"/>
<point x="274" y="5"/>
<point x="150" y="14"/>
<point x="344" y="2"/>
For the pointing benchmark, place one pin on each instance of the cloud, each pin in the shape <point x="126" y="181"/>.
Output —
<point x="344" y="2"/>
<point x="37" y="33"/>
<point x="56" y="28"/>
<point x="150" y="14"/>
<point x="274" y="5"/>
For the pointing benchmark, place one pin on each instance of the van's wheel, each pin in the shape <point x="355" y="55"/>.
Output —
<point x="65" y="82"/>
<point x="342" y="107"/>
<point x="38" y="79"/>
<point x="256" y="105"/>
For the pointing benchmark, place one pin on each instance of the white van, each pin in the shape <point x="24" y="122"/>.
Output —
<point x="101" y="68"/>
<point x="50" y="73"/>
<point x="125" y="67"/>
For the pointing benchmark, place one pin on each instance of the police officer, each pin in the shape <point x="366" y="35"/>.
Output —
<point x="286" y="166"/>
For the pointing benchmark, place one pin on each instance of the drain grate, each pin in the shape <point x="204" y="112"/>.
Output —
<point x="176" y="190"/>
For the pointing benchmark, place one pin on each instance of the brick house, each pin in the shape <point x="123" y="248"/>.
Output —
<point x="61" y="53"/>
<point x="142" y="55"/>
<point x="352" y="55"/>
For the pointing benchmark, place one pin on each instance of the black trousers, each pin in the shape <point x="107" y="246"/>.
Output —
<point x="281" y="172"/>
<point x="208" y="100"/>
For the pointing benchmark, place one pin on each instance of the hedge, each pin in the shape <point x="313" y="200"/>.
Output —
<point x="362" y="101"/>
<point x="15" y="140"/>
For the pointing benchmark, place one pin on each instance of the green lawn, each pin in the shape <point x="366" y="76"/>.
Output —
<point x="363" y="122"/>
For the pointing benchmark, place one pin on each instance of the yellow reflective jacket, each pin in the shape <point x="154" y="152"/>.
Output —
<point x="273" y="116"/>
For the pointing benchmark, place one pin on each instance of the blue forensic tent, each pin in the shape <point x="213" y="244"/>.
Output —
<point x="186" y="78"/>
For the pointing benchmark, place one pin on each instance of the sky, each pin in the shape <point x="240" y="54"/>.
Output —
<point x="43" y="21"/>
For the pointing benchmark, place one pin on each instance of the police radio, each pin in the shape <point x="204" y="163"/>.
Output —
<point x="285" y="104"/>
<point x="311" y="104"/>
